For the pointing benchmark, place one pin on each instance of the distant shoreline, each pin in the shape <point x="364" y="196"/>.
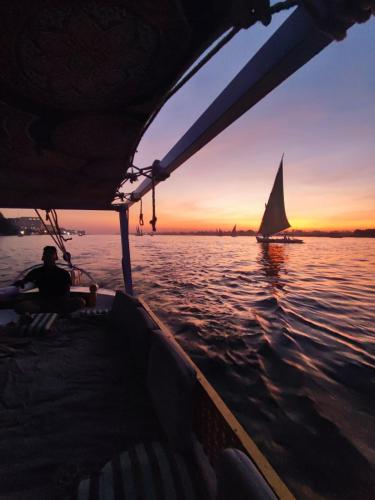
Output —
<point x="292" y="235"/>
<point x="358" y="233"/>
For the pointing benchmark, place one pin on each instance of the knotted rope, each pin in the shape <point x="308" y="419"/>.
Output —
<point x="141" y="221"/>
<point x="154" y="218"/>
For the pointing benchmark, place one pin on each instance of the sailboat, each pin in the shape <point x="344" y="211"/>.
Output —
<point x="234" y="231"/>
<point x="139" y="231"/>
<point x="274" y="218"/>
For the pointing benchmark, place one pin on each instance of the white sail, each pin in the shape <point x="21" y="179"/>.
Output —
<point x="274" y="217"/>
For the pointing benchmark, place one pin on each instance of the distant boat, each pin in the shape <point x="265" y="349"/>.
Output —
<point x="81" y="233"/>
<point x="274" y="218"/>
<point x="220" y="232"/>
<point x="139" y="231"/>
<point x="234" y="231"/>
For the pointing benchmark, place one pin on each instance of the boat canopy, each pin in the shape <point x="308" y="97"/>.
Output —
<point x="80" y="82"/>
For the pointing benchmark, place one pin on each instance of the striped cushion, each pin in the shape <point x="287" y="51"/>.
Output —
<point x="149" y="471"/>
<point x="40" y="325"/>
<point x="84" y="313"/>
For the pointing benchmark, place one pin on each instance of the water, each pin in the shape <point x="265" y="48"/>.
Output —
<point x="285" y="334"/>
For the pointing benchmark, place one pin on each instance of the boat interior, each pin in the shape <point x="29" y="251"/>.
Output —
<point x="103" y="403"/>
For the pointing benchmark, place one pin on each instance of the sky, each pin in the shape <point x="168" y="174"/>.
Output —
<point x="322" y="118"/>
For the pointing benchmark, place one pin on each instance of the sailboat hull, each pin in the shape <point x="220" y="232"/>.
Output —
<point x="278" y="240"/>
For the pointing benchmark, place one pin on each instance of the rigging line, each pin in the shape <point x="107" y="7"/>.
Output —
<point x="58" y="232"/>
<point x="50" y="214"/>
<point x="55" y="232"/>
<point x="273" y="9"/>
<point x="154" y="218"/>
<point x="141" y="221"/>
<point x="47" y="229"/>
<point x="56" y="222"/>
<point x="188" y="76"/>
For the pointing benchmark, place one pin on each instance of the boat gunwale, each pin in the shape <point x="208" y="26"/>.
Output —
<point x="246" y="443"/>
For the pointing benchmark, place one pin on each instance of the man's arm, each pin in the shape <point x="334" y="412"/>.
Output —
<point x="29" y="278"/>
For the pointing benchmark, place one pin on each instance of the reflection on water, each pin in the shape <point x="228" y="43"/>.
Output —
<point x="285" y="333"/>
<point x="273" y="262"/>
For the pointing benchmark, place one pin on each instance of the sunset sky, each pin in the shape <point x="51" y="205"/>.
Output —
<point x="323" y="118"/>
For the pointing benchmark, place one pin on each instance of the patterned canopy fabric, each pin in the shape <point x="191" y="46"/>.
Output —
<point x="78" y="82"/>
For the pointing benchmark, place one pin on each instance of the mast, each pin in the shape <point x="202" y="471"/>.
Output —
<point x="274" y="218"/>
<point x="123" y="212"/>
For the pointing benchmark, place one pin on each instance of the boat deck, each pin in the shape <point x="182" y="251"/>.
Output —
<point x="108" y="406"/>
<point x="69" y="402"/>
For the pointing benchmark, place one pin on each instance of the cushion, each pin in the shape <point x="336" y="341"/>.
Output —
<point x="239" y="479"/>
<point x="149" y="471"/>
<point x="171" y="382"/>
<point x="41" y="324"/>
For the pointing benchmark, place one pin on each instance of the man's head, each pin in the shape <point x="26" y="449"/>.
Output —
<point x="49" y="255"/>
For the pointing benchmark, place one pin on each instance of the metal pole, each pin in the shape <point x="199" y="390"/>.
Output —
<point x="296" y="42"/>
<point x="126" y="264"/>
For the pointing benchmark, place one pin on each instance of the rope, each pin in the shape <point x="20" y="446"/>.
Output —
<point x="154" y="218"/>
<point x="273" y="9"/>
<point x="191" y="73"/>
<point x="55" y="232"/>
<point x="141" y="221"/>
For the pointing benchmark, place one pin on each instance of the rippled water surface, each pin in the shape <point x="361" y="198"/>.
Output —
<point x="286" y="334"/>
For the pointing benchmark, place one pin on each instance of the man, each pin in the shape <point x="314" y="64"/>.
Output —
<point x="54" y="287"/>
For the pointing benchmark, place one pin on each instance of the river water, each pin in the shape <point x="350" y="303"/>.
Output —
<point x="286" y="334"/>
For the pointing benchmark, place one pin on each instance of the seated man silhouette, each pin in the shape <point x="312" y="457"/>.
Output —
<point x="54" y="288"/>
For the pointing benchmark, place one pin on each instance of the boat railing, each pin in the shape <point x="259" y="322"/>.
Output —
<point x="75" y="273"/>
<point x="215" y="425"/>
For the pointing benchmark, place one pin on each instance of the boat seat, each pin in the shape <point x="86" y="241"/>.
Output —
<point x="151" y="471"/>
<point x="239" y="479"/>
<point x="171" y="381"/>
<point x="41" y="324"/>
